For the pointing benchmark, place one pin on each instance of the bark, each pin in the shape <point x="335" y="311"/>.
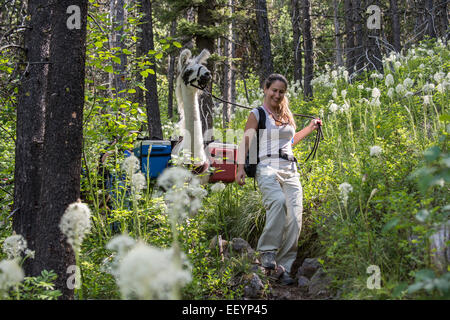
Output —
<point x="264" y="40"/>
<point x="430" y="14"/>
<point x="337" y="31"/>
<point x="395" y="25"/>
<point x="30" y="127"/>
<point x="227" y="52"/>
<point x="118" y="19"/>
<point x="58" y="92"/>
<point x="308" y="47"/>
<point x="296" y="37"/>
<point x="420" y="23"/>
<point x="171" y="73"/>
<point x="373" y="50"/>
<point x="151" y="95"/>
<point x="232" y="63"/>
<point x="444" y="20"/>
<point x="206" y="19"/>
<point x="359" y="50"/>
<point x="349" y="34"/>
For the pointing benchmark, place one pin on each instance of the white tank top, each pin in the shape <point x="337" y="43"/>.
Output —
<point x="271" y="140"/>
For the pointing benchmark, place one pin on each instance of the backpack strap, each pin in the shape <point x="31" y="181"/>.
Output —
<point x="261" y="125"/>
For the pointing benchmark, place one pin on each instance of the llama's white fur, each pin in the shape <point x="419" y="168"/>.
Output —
<point x="187" y="98"/>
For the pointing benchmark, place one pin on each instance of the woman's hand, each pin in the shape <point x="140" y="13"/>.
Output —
<point x="315" y="123"/>
<point x="240" y="177"/>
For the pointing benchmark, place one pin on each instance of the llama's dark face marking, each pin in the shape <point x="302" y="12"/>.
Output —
<point x="196" y="74"/>
<point x="192" y="70"/>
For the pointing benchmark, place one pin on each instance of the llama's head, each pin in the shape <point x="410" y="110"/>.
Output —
<point x="191" y="70"/>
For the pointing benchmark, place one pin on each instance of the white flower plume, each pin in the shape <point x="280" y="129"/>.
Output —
<point x="151" y="273"/>
<point x="14" y="246"/>
<point x="10" y="274"/>
<point x="75" y="223"/>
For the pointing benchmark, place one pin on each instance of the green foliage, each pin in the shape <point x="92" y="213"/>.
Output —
<point x="38" y="288"/>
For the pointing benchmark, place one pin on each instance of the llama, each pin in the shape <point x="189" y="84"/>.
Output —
<point x="191" y="71"/>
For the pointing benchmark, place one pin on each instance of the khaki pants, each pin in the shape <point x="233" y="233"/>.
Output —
<point x="282" y="197"/>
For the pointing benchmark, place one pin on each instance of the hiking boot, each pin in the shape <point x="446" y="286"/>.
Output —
<point x="286" y="279"/>
<point x="268" y="260"/>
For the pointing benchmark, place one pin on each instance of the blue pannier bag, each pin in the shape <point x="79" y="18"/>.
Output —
<point x="157" y="159"/>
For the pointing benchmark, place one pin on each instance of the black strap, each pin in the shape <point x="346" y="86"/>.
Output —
<point x="261" y="125"/>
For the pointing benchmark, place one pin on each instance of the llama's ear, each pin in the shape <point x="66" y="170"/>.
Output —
<point x="184" y="56"/>
<point x="203" y="56"/>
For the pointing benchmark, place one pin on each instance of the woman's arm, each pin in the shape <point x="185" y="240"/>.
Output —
<point x="313" y="125"/>
<point x="250" y="128"/>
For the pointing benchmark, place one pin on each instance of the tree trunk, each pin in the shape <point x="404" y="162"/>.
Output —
<point x="118" y="18"/>
<point x="359" y="52"/>
<point x="151" y="95"/>
<point x="308" y="46"/>
<point x="233" y="56"/>
<point x="337" y="37"/>
<point x="30" y="128"/>
<point x="57" y="91"/>
<point x="264" y="40"/>
<point x="206" y="19"/>
<point x="430" y="14"/>
<point x="395" y="25"/>
<point x="296" y="35"/>
<point x="373" y="50"/>
<point x="171" y="73"/>
<point x="444" y="20"/>
<point x="227" y="52"/>
<point x="420" y="23"/>
<point x="350" y="39"/>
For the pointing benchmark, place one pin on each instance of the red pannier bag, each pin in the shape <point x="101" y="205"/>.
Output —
<point x="223" y="157"/>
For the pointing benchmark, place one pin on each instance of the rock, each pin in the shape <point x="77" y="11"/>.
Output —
<point x="255" y="287"/>
<point x="319" y="284"/>
<point x="303" y="284"/>
<point x="241" y="246"/>
<point x="309" y="268"/>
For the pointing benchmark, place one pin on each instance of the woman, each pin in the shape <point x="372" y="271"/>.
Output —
<point x="277" y="177"/>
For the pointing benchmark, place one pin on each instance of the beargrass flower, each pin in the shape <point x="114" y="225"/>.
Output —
<point x="183" y="193"/>
<point x="360" y="87"/>
<point x="345" y="74"/>
<point x="427" y="99"/>
<point x="376" y="93"/>
<point x="400" y="89"/>
<point x="334" y="74"/>
<point x="390" y="93"/>
<point x="14" y="246"/>
<point x="121" y="243"/>
<point x="333" y="107"/>
<point x="389" y="81"/>
<point x="75" y="223"/>
<point x="11" y="274"/>
<point x="146" y="272"/>
<point x="345" y="188"/>
<point x="375" y="151"/>
<point x="438" y="76"/>
<point x="217" y="187"/>
<point x="375" y="102"/>
<point x="408" y="83"/>
<point x="345" y="106"/>
<point x="428" y="87"/>
<point x="138" y="182"/>
<point x="334" y="93"/>
<point x="130" y="165"/>
<point x="343" y="93"/>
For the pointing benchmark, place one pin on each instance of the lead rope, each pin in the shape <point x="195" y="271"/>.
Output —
<point x="319" y="135"/>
